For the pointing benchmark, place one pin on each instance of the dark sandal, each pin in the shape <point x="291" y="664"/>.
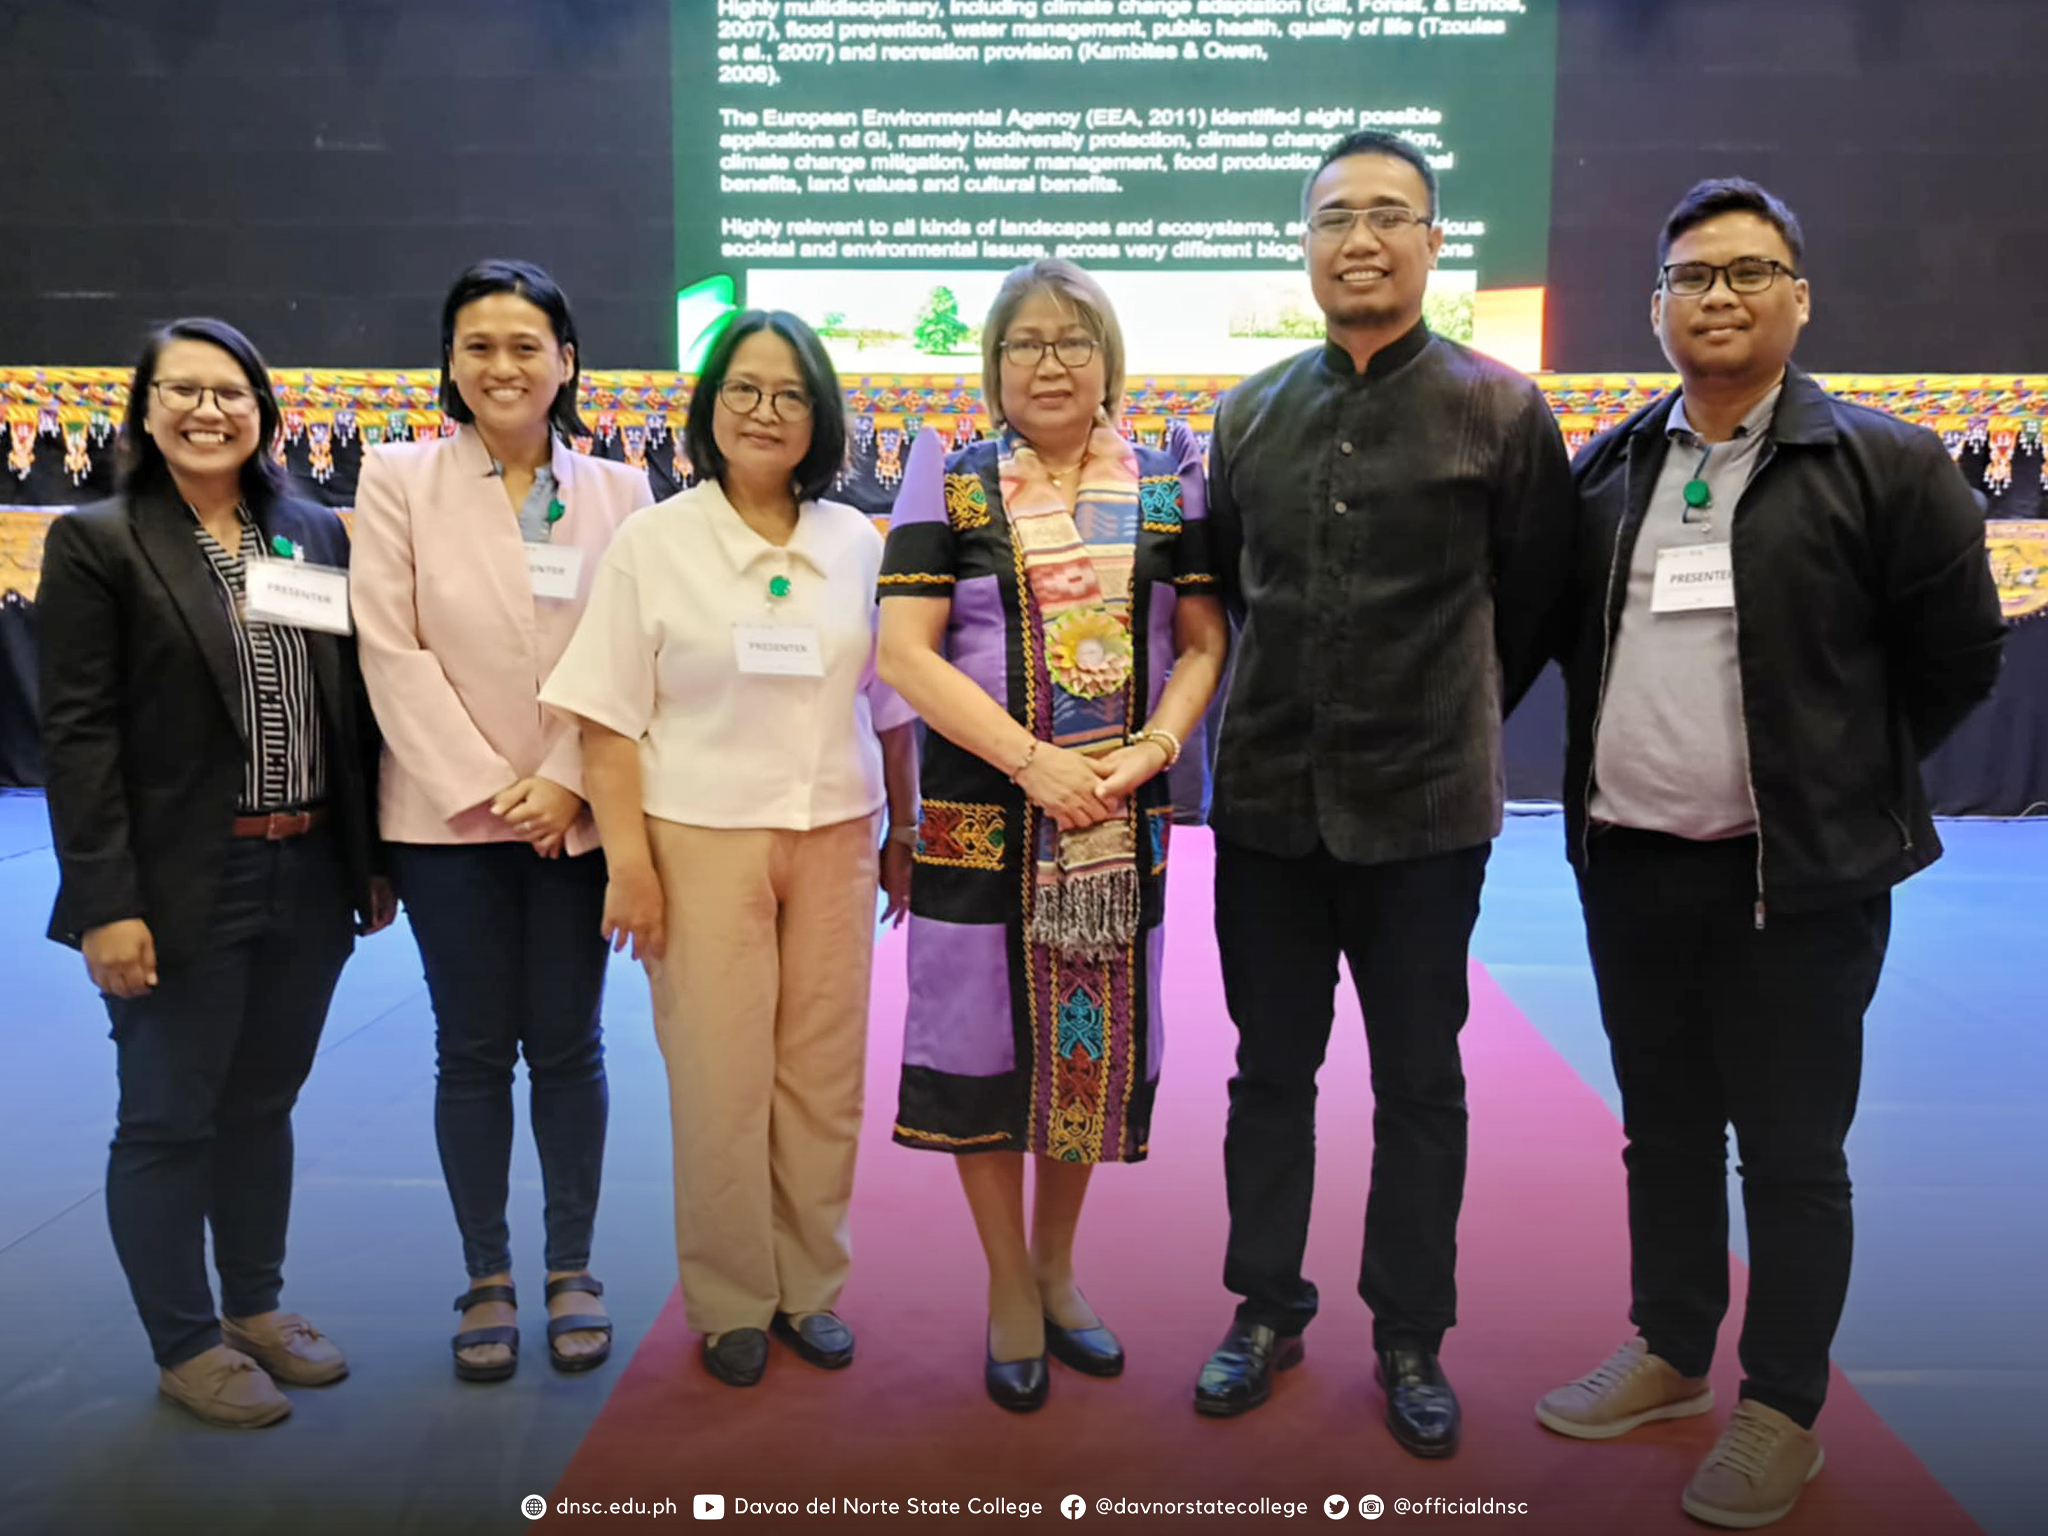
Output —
<point x="501" y="1335"/>
<point x="577" y="1322"/>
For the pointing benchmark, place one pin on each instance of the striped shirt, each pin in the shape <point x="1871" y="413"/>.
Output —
<point x="287" y="764"/>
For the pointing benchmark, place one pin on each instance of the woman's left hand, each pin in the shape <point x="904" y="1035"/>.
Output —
<point x="1129" y="767"/>
<point x="540" y="812"/>
<point x="896" y="866"/>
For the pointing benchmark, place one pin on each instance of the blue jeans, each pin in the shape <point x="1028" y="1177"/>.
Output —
<point x="211" y="1062"/>
<point x="514" y="962"/>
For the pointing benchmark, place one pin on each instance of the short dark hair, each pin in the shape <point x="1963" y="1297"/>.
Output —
<point x="1731" y="194"/>
<point x="529" y="282"/>
<point x="827" y="456"/>
<point x="142" y="464"/>
<point x="1370" y="141"/>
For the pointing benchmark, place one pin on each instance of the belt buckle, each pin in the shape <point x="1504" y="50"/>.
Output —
<point x="280" y="825"/>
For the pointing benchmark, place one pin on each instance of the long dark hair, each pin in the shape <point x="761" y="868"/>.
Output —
<point x="142" y="464"/>
<point x="821" y="465"/>
<point x="530" y="283"/>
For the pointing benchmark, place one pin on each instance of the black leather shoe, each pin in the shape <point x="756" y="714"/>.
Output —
<point x="1422" y="1410"/>
<point x="819" y="1337"/>
<point x="1091" y="1351"/>
<point x="1239" y="1376"/>
<point x="739" y="1356"/>
<point x="1018" y="1385"/>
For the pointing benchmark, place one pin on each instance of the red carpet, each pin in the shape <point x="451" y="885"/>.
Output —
<point x="1543" y="1271"/>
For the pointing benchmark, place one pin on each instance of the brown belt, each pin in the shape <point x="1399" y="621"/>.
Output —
<point x="278" y="825"/>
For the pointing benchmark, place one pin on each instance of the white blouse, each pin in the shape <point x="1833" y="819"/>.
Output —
<point x="655" y="659"/>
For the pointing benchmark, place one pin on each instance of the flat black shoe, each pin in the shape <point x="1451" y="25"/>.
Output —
<point x="1018" y="1385"/>
<point x="819" y="1337"/>
<point x="1422" y="1410"/>
<point x="1091" y="1351"/>
<point x="739" y="1356"/>
<point x="1239" y="1376"/>
<point x="506" y="1335"/>
<point x="578" y="1322"/>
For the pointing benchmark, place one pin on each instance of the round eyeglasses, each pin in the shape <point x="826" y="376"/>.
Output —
<point x="742" y="398"/>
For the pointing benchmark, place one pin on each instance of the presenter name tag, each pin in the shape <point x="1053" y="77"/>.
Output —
<point x="1693" y="578"/>
<point x="555" y="569"/>
<point x="295" y="593"/>
<point x="778" y="650"/>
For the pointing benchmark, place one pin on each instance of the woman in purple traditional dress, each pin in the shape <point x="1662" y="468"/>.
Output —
<point x="1052" y="616"/>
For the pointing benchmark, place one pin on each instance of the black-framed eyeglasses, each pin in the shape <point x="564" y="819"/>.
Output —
<point x="1029" y="352"/>
<point x="1382" y="219"/>
<point x="183" y="395"/>
<point x="742" y="398"/>
<point x="1745" y="274"/>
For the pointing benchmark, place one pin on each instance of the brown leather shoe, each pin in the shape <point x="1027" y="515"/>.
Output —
<point x="1756" y="1471"/>
<point x="291" y="1349"/>
<point x="224" y="1386"/>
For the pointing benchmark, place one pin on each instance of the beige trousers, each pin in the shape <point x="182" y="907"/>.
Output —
<point x="761" y="1008"/>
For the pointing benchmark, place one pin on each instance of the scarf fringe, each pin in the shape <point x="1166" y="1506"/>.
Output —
<point x="1094" y="917"/>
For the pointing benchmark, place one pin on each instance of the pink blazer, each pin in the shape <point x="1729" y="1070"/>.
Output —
<point x="455" y="645"/>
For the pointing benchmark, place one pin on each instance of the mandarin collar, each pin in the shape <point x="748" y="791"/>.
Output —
<point x="1395" y="354"/>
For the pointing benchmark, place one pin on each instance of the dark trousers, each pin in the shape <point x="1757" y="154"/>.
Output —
<point x="1714" y="1021"/>
<point x="1403" y="928"/>
<point x="514" y="961"/>
<point x="210" y="1065"/>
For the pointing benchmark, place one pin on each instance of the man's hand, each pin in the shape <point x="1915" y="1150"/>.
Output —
<point x="120" y="957"/>
<point x="383" y="907"/>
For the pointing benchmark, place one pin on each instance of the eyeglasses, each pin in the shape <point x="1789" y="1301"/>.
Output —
<point x="742" y="398"/>
<point x="1384" y="219"/>
<point x="183" y="395"/>
<point x="1745" y="274"/>
<point x="1072" y="351"/>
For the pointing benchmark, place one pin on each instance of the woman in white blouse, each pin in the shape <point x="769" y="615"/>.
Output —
<point x="738" y="753"/>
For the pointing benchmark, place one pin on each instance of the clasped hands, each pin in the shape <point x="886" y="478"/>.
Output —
<point x="1078" y="790"/>
<point x="539" y="811"/>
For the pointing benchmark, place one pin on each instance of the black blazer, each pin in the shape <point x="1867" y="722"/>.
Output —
<point x="143" y="738"/>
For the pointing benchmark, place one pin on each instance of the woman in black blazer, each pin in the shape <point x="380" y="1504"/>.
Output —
<point x="211" y="783"/>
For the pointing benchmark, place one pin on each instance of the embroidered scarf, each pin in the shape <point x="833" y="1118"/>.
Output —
<point x="1077" y="642"/>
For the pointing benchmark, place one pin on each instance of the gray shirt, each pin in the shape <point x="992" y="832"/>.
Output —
<point x="533" y="512"/>
<point x="1670" y="753"/>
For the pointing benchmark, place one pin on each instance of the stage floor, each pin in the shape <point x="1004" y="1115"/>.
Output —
<point x="1942" y="1337"/>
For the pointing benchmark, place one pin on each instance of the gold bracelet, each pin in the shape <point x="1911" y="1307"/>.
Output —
<point x="1017" y="771"/>
<point x="1165" y="739"/>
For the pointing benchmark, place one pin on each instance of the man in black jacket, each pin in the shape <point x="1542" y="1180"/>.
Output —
<point x="1393" y="524"/>
<point x="1783" y="605"/>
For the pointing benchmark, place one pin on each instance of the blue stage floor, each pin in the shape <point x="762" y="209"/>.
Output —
<point x="1943" y="1332"/>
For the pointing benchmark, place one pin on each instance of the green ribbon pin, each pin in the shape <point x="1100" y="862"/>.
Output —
<point x="778" y="587"/>
<point x="555" y="510"/>
<point x="283" y="547"/>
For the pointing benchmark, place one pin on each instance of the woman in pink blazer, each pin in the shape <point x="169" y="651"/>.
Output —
<point x="473" y="559"/>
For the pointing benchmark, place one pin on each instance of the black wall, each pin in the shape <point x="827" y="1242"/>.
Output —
<point x="317" y="170"/>
<point x="1909" y="136"/>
